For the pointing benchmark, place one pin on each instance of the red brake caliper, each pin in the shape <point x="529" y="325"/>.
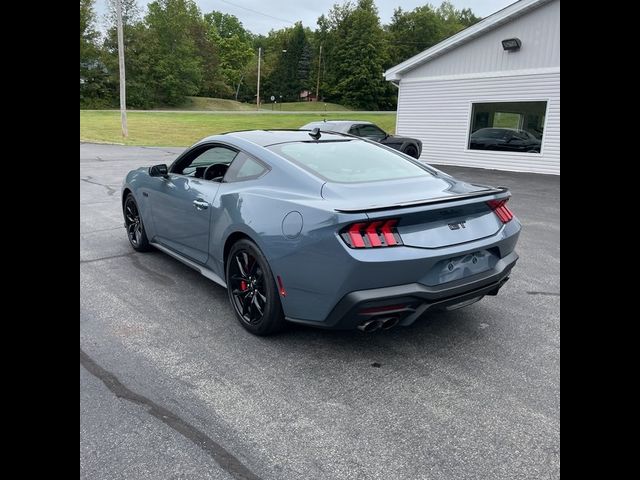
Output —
<point x="243" y="285"/>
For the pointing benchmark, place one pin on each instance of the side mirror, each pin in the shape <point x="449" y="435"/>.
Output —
<point x="159" y="170"/>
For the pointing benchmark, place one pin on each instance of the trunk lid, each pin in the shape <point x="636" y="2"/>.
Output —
<point x="432" y="212"/>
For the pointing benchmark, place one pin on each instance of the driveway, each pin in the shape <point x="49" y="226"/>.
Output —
<point x="171" y="386"/>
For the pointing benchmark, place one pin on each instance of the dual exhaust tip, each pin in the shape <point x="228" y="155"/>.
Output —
<point x="374" y="324"/>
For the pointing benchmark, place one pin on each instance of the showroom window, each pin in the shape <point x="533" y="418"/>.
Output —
<point x="507" y="126"/>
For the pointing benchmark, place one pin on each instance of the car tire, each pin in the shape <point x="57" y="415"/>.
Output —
<point x="134" y="225"/>
<point x="412" y="151"/>
<point x="252" y="290"/>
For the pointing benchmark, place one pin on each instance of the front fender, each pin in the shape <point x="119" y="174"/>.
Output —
<point x="138" y="181"/>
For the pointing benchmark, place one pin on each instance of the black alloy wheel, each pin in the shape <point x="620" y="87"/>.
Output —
<point x="135" y="227"/>
<point x="252" y="290"/>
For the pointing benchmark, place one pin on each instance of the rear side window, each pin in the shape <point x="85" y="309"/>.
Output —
<point x="369" y="131"/>
<point x="244" y="167"/>
<point x="349" y="161"/>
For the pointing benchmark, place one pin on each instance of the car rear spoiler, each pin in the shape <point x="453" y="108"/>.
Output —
<point x="452" y="198"/>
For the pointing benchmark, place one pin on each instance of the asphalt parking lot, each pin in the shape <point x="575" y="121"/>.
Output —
<point x="171" y="386"/>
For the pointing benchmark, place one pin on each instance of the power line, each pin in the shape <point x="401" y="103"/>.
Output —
<point x="259" y="13"/>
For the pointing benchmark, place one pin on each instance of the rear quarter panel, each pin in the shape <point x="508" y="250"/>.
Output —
<point x="309" y="261"/>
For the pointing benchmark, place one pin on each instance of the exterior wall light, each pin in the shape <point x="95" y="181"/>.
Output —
<point x="511" y="44"/>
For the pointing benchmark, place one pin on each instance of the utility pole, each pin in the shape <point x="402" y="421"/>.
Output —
<point x="318" y="84"/>
<point x="258" y="96"/>
<point x="123" y="93"/>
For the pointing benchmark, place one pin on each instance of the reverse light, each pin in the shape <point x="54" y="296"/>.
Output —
<point x="380" y="233"/>
<point x="500" y="208"/>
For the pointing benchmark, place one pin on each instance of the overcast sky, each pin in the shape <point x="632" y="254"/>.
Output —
<point x="260" y="16"/>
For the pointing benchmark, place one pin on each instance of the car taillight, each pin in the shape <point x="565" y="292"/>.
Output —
<point x="500" y="208"/>
<point x="380" y="233"/>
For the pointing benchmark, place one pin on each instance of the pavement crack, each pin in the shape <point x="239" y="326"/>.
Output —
<point x="110" y="190"/>
<point x="106" y="258"/>
<point x="220" y="455"/>
<point x="157" y="149"/>
<point x="552" y="294"/>
<point x="102" y="230"/>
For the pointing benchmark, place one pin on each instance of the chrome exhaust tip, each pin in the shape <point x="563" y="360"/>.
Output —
<point x="389" y="323"/>
<point x="369" y="326"/>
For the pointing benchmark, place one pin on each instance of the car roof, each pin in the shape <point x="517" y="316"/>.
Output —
<point x="270" y="137"/>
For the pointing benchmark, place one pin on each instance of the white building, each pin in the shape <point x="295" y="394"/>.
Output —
<point x="478" y="103"/>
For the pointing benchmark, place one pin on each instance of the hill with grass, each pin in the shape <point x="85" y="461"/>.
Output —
<point x="304" y="107"/>
<point x="207" y="104"/>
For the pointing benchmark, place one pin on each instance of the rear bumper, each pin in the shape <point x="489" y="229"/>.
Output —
<point x="408" y="302"/>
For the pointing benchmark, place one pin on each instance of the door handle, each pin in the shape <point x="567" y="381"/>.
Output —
<point x="200" y="204"/>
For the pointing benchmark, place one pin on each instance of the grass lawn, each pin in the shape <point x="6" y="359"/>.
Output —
<point x="183" y="129"/>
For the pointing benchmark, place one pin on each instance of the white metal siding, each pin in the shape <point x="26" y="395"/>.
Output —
<point x="438" y="112"/>
<point x="538" y="29"/>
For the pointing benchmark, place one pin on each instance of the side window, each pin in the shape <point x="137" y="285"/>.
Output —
<point x="355" y="130"/>
<point x="517" y="120"/>
<point x="370" y="131"/>
<point x="196" y="164"/>
<point x="245" y="167"/>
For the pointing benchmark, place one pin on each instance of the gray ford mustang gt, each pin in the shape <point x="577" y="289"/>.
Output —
<point x="323" y="229"/>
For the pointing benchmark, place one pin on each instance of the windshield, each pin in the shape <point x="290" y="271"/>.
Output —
<point x="349" y="161"/>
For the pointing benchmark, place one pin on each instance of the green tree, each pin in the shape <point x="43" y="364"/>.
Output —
<point x="130" y="13"/>
<point x="175" y="52"/>
<point x="88" y="33"/>
<point x="275" y="64"/>
<point x="235" y="48"/>
<point x="454" y="20"/>
<point x="304" y="67"/>
<point x="136" y="55"/>
<point x="93" y="74"/>
<point x="412" y="32"/>
<point x="356" y="56"/>
<point x="292" y="68"/>
<point x="208" y="52"/>
<point x="176" y="68"/>
<point x="138" y="64"/>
